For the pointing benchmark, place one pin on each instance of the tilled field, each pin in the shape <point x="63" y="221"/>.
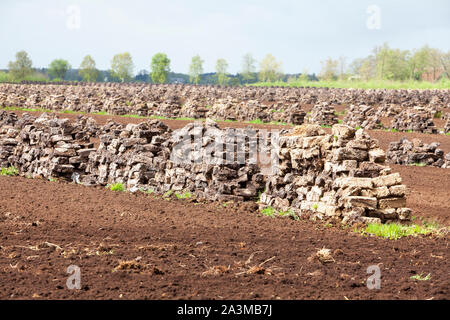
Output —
<point x="134" y="246"/>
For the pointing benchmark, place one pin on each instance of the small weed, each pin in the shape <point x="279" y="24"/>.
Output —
<point x="256" y="121"/>
<point x="288" y="213"/>
<point x="52" y="179"/>
<point x="117" y="187"/>
<point x="185" y="119"/>
<point x="133" y="116"/>
<point x="268" y="211"/>
<point x="71" y="111"/>
<point x="10" y="171"/>
<point x="419" y="164"/>
<point x="420" y="277"/>
<point x="438" y="115"/>
<point x="315" y="206"/>
<point x="186" y="195"/>
<point x="258" y="198"/>
<point x="168" y="194"/>
<point x="158" y="117"/>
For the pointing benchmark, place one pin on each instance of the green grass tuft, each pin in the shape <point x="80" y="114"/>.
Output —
<point x="10" y="171"/>
<point x="117" y="187"/>
<point x="185" y="119"/>
<point x="419" y="164"/>
<point x="396" y="231"/>
<point x="185" y="195"/>
<point x="438" y="115"/>
<point x="256" y="121"/>
<point x="133" y="116"/>
<point x="168" y="194"/>
<point x="268" y="211"/>
<point x="420" y="277"/>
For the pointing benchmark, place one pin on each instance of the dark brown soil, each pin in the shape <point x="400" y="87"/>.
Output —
<point x="138" y="246"/>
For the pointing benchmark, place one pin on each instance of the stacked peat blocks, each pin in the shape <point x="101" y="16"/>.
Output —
<point x="414" y="119"/>
<point x="322" y="114"/>
<point x="48" y="147"/>
<point x="342" y="175"/>
<point x="362" y="116"/>
<point x="415" y="152"/>
<point x="130" y="155"/>
<point x="214" y="163"/>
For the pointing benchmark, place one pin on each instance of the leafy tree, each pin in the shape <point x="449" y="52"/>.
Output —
<point x="235" y="81"/>
<point x="248" y="67"/>
<point x="122" y="66"/>
<point x="58" y="68"/>
<point x="269" y="69"/>
<point x="418" y="62"/>
<point x="221" y="70"/>
<point x="329" y="69"/>
<point x="303" y="77"/>
<point x="88" y="71"/>
<point x="160" y="68"/>
<point x="195" y="69"/>
<point x="367" y="69"/>
<point x="435" y="63"/>
<point x="445" y="60"/>
<point x="22" y="67"/>
<point x="342" y="65"/>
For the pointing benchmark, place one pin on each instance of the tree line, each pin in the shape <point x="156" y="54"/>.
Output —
<point x="383" y="63"/>
<point x="386" y="63"/>
<point x="122" y="70"/>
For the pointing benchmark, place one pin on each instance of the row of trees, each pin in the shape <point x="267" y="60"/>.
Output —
<point x="122" y="67"/>
<point x="386" y="63"/>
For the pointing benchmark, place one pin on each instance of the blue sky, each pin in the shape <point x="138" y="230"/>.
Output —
<point x="299" y="33"/>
